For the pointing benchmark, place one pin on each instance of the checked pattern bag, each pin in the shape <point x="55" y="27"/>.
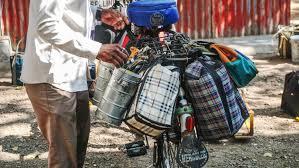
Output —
<point x="158" y="96"/>
<point x="219" y="108"/>
<point x="153" y="109"/>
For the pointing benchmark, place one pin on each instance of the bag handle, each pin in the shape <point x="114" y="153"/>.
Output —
<point x="225" y="53"/>
<point x="223" y="47"/>
<point x="222" y="56"/>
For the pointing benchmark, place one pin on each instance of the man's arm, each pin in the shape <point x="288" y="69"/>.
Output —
<point x="53" y="31"/>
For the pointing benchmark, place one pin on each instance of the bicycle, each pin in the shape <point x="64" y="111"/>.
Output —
<point x="179" y="146"/>
<point x="172" y="147"/>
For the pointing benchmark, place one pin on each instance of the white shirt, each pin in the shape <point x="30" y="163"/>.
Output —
<point x="58" y="45"/>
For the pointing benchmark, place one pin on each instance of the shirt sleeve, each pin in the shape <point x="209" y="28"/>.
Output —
<point x="51" y="28"/>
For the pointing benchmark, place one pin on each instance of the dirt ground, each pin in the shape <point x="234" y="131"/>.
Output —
<point x="275" y="143"/>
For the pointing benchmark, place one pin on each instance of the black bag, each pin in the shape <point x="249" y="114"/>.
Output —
<point x="290" y="96"/>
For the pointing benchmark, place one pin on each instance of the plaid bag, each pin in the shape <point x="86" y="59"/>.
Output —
<point x="219" y="109"/>
<point x="154" y="105"/>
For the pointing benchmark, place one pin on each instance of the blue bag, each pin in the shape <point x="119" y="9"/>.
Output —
<point x="241" y="69"/>
<point x="153" y="13"/>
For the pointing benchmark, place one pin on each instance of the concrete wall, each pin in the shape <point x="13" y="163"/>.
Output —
<point x="5" y="53"/>
<point x="295" y="11"/>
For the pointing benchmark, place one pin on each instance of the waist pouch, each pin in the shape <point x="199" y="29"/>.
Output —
<point x="219" y="109"/>
<point x="154" y="105"/>
<point x="151" y="13"/>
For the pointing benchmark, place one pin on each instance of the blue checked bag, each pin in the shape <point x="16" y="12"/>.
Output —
<point x="219" y="109"/>
<point x="154" y="105"/>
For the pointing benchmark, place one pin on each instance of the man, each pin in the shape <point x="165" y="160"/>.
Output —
<point x="54" y="72"/>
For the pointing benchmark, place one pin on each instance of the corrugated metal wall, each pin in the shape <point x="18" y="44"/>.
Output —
<point x="224" y="18"/>
<point x="199" y="18"/>
<point x="14" y="19"/>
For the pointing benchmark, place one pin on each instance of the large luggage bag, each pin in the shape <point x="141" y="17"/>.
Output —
<point x="219" y="109"/>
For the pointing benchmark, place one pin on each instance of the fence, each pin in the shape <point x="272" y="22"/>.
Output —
<point x="223" y="18"/>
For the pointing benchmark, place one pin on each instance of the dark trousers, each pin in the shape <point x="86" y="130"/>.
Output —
<point x="64" y="120"/>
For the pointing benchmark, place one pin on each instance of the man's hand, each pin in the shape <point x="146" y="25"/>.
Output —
<point x="114" y="18"/>
<point x="113" y="53"/>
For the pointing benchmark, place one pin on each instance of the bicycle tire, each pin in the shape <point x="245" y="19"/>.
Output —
<point x="165" y="153"/>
